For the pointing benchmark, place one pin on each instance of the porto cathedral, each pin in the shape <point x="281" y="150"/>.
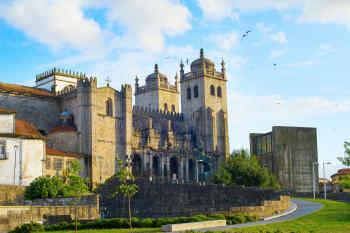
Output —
<point x="76" y="118"/>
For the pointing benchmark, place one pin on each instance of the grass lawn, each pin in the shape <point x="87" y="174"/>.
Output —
<point x="333" y="217"/>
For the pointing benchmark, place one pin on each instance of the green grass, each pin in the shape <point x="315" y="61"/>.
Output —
<point x="143" y="230"/>
<point x="334" y="217"/>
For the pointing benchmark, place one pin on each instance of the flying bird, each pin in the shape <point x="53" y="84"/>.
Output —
<point x="274" y="64"/>
<point x="245" y="34"/>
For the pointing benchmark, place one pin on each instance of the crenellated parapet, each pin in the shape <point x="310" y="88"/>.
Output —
<point x="60" y="72"/>
<point x="87" y="83"/>
<point x="139" y="110"/>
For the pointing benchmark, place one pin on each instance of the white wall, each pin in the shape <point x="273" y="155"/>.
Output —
<point x="61" y="82"/>
<point x="24" y="164"/>
<point x="7" y="123"/>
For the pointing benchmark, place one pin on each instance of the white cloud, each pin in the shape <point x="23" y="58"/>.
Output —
<point x="277" y="53"/>
<point x="312" y="11"/>
<point x="267" y="108"/>
<point x="326" y="49"/>
<point x="220" y="9"/>
<point x="150" y="22"/>
<point x="326" y="11"/>
<point x="59" y="23"/>
<point x="62" y="23"/>
<point x="303" y="64"/>
<point x="279" y="37"/>
<point x="225" y="41"/>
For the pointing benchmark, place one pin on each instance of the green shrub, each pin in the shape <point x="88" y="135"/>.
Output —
<point x="28" y="228"/>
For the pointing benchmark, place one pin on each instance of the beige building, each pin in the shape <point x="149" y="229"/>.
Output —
<point x="79" y="118"/>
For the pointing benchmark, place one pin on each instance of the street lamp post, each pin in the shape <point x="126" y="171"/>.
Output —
<point x="324" y="175"/>
<point x="313" y="179"/>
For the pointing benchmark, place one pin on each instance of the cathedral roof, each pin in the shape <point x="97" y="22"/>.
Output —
<point x="24" y="89"/>
<point x="201" y="60"/>
<point x="63" y="129"/>
<point x="51" y="151"/>
<point x="24" y="128"/>
<point x="155" y="74"/>
<point x="4" y="111"/>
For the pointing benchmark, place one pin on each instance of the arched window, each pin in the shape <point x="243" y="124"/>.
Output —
<point x="219" y="92"/>
<point x="188" y="93"/>
<point x="173" y="108"/>
<point x="165" y="107"/>
<point x="109" y="107"/>
<point x="195" y="91"/>
<point x="212" y="90"/>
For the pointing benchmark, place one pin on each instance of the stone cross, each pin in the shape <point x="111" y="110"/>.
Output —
<point x="108" y="81"/>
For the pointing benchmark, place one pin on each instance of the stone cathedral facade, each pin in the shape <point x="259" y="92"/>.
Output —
<point x="76" y="116"/>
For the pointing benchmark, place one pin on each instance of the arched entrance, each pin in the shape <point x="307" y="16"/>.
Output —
<point x="174" y="167"/>
<point x="191" y="169"/>
<point x="156" y="165"/>
<point x="136" y="165"/>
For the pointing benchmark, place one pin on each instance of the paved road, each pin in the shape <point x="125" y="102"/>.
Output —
<point x="304" y="208"/>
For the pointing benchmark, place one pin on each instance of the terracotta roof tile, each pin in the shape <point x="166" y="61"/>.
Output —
<point x="23" y="128"/>
<point x="343" y="171"/>
<point x="63" y="129"/>
<point x="24" y="90"/>
<point x="4" y="111"/>
<point x="51" y="151"/>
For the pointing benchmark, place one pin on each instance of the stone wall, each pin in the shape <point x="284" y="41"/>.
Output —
<point x="44" y="210"/>
<point x="171" y="200"/>
<point x="11" y="194"/>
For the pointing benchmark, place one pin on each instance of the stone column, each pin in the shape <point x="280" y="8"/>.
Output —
<point x="187" y="168"/>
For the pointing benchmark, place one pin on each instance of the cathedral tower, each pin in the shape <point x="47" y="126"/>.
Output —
<point x="204" y="103"/>
<point x="158" y="93"/>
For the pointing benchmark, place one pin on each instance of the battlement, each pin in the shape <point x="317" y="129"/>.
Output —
<point x="60" y="72"/>
<point x="87" y="82"/>
<point x="139" y="110"/>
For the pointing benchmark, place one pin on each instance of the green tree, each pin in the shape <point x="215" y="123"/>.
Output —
<point x="346" y="159"/>
<point x="126" y="188"/>
<point x="345" y="179"/>
<point x="44" y="187"/>
<point x="49" y="187"/>
<point x="243" y="169"/>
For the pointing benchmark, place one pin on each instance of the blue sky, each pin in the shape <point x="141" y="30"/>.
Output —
<point x="306" y="39"/>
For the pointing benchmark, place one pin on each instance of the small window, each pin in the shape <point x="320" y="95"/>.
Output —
<point x="109" y="107"/>
<point x="48" y="163"/>
<point x="173" y="108"/>
<point x="165" y="107"/>
<point x="195" y="92"/>
<point x="212" y="90"/>
<point x="3" y="154"/>
<point x="57" y="164"/>
<point x="219" y="92"/>
<point x="189" y="93"/>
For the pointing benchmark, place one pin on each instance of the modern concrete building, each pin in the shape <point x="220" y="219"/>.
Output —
<point x="290" y="153"/>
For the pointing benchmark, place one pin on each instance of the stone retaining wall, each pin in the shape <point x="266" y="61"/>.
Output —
<point x="42" y="210"/>
<point x="176" y="200"/>
<point x="11" y="194"/>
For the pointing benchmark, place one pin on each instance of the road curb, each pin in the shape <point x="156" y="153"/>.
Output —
<point x="290" y="210"/>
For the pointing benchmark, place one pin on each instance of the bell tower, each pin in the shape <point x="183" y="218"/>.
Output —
<point x="204" y="103"/>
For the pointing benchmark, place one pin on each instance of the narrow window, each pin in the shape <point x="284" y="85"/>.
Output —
<point x="57" y="164"/>
<point x="173" y="108"/>
<point x="3" y="150"/>
<point x="189" y="93"/>
<point x="212" y="90"/>
<point x="219" y="92"/>
<point x="109" y="107"/>
<point x="165" y="107"/>
<point x="48" y="163"/>
<point x="195" y="92"/>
